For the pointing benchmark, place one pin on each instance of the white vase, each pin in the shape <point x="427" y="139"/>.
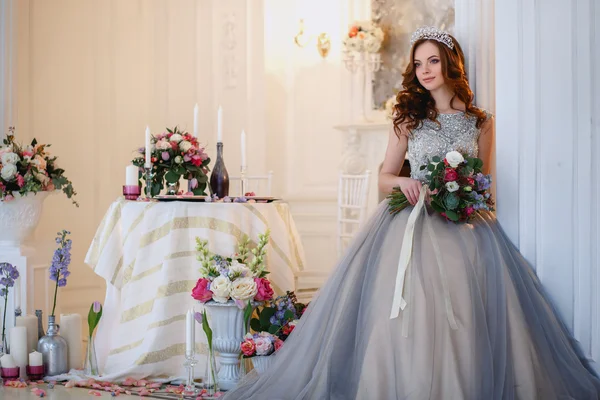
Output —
<point x="227" y="323"/>
<point x="19" y="217"/>
<point x="262" y="363"/>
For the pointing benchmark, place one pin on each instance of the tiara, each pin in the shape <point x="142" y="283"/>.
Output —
<point x="430" y="32"/>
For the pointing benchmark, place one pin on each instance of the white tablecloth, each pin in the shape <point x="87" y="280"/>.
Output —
<point x="145" y="252"/>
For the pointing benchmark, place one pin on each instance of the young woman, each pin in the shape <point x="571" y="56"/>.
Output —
<point x="466" y="319"/>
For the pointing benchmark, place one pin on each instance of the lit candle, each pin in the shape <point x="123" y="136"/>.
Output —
<point x="148" y="163"/>
<point x="196" y="121"/>
<point x="243" y="145"/>
<point x="35" y="359"/>
<point x="220" y="125"/>
<point x="131" y="175"/>
<point x="189" y="333"/>
<point x="7" y="361"/>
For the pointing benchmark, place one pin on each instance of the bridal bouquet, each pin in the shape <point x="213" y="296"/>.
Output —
<point x="176" y="154"/>
<point x="241" y="278"/>
<point x="30" y="168"/>
<point x="363" y="36"/>
<point x="458" y="188"/>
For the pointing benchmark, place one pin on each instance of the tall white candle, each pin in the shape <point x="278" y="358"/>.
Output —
<point x="30" y="323"/>
<point x="70" y="329"/>
<point x="196" y="121"/>
<point x="7" y="361"/>
<point x="243" y="145"/>
<point x="35" y="359"/>
<point x="189" y="332"/>
<point x="131" y="175"/>
<point x="148" y="162"/>
<point x="18" y="293"/>
<point x="220" y="125"/>
<point x="18" y="347"/>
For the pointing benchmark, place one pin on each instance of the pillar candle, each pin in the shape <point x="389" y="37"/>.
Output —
<point x="30" y="322"/>
<point x="7" y="361"/>
<point x="70" y="329"/>
<point x="131" y="175"/>
<point x="18" y="347"/>
<point x="35" y="359"/>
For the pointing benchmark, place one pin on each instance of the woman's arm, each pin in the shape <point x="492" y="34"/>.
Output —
<point x="485" y="142"/>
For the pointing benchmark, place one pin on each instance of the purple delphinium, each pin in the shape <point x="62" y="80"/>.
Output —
<point x="8" y="274"/>
<point x="59" y="269"/>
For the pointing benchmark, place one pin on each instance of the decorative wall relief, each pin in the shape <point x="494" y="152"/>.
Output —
<point x="399" y="19"/>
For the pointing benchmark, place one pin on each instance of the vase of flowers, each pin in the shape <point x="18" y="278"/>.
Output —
<point x="90" y="367"/>
<point x="53" y="346"/>
<point x="230" y="288"/>
<point x="176" y="154"/>
<point x="363" y="36"/>
<point x="8" y="275"/>
<point x="27" y="174"/>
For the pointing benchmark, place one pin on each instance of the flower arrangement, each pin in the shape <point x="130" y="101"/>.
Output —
<point x="260" y="344"/>
<point x="458" y="188"/>
<point x="8" y="275"/>
<point x="59" y="269"/>
<point x="176" y="154"/>
<point x="241" y="278"/>
<point x="30" y="169"/>
<point x="364" y="36"/>
<point x="280" y="317"/>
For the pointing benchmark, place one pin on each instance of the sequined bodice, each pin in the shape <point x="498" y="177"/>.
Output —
<point x="455" y="132"/>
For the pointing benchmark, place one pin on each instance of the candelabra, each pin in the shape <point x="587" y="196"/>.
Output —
<point x="362" y="63"/>
<point x="190" y="362"/>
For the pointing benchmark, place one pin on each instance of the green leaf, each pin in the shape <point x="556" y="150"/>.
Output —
<point x="273" y="329"/>
<point x="266" y="315"/>
<point x="453" y="216"/>
<point x="436" y="159"/>
<point x="430" y="167"/>
<point x="93" y="319"/>
<point x="207" y="330"/>
<point x="288" y="315"/>
<point x="255" y="325"/>
<point x="437" y="207"/>
<point x="172" y="177"/>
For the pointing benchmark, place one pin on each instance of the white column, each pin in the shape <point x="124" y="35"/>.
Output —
<point x="548" y="98"/>
<point x="7" y="64"/>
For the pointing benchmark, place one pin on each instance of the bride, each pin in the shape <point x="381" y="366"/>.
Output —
<point x="465" y="318"/>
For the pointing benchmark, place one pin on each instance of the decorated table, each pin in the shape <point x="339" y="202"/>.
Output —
<point x="146" y="253"/>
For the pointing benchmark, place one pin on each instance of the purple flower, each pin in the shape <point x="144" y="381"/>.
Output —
<point x="62" y="282"/>
<point x="97" y="307"/>
<point x="198" y="317"/>
<point x="240" y="303"/>
<point x="226" y="199"/>
<point x="187" y="158"/>
<point x="165" y="155"/>
<point x="59" y="268"/>
<point x="193" y="183"/>
<point x="240" y="200"/>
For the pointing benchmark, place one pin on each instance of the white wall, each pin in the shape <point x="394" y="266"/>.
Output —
<point x="548" y="103"/>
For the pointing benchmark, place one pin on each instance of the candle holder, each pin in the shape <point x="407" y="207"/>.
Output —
<point x="131" y="192"/>
<point x="190" y="362"/>
<point x="243" y="181"/>
<point x="148" y="176"/>
<point x="35" y="373"/>
<point x="10" y="374"/>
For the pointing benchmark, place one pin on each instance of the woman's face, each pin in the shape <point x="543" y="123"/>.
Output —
<point x="428" y="66"/>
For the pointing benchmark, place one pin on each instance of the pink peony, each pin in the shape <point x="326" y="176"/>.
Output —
<point x="265" y="292"/>
<point x="451" y="175"/>
<point x="248" y="348"/>
<point x="202" y="290"/>
<point x="278" y="344"/>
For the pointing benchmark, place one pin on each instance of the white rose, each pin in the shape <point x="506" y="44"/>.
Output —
<point x="10" y="158"/>
<point x="264" y="347"/>
<point x="176" y="138"/>
<point x="372" y="44"/>
<point x="8" y="171"/>
<point x="243" y="289"/>
<point x="178" y="159"/>
<point x="452" y="186"/>
<point x="162" y="145"/>
<point x="454" y="158"/>
<point x="185" y="146"/>
<point x="221" y="288"/>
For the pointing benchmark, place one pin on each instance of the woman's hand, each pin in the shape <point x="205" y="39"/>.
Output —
<point x="411" y="189"/>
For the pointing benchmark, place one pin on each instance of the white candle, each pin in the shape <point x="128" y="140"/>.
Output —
<point x="30" y="323"/>
<point x="243" y="145"/>
<point x="7" y="361"/>
<point x="189" y="333"/>
<point x="70" y="329"/>
<point x="131" y="175"/>
<point x="220" y="125"/>
<point x="35" y="359"/>
<point x="196" y="121"/>
<point x="18" y="347"/>
<point x="148" y="162"/>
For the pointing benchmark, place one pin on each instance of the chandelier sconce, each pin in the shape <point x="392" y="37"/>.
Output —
<point x="323" y="41"/>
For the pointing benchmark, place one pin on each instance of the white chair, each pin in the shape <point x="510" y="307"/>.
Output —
<point x="259" y="184"/>
<point x="353" y="193"/>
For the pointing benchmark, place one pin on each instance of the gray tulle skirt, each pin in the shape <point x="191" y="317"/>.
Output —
<point x="477" y="324"/>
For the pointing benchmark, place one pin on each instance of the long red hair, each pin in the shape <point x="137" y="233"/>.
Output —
<point x="415" y="103"/>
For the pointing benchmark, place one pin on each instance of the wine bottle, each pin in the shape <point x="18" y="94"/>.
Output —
<point x="219" y="178"/>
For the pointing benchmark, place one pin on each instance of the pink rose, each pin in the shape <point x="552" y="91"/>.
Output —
<point x="265" y="292"/>
<point x="469" y="210"/>
<point x="451" y="175"/>
<point x="278" y="344"/>
<point x="202" y="290"/>
<point x="264" y="347"/>
<point x="248" y="348"/>
<point x="20" y="180"/>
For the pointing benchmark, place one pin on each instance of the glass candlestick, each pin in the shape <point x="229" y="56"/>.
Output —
<point x="148" y="176"/>
<point x="190" y="362"/>
<point x="243" y="181"/>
